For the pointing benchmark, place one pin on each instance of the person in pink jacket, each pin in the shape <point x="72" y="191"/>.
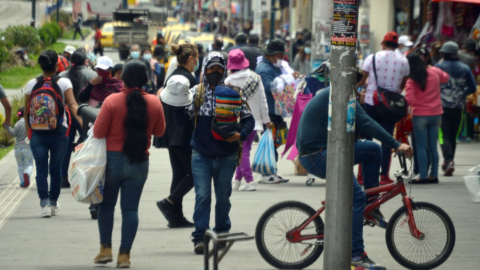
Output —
<point x="423" y="96"/>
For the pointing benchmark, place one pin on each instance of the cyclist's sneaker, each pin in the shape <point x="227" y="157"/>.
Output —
<point x="269" y="179"/>
<point x="385" y="180"/>
<point x="198" y="247"/>
<point x="449" y="169"/>
<point x="363" y="262"/>
<point x="377" y="218"/>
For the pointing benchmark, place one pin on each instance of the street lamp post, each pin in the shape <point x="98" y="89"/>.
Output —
<point x="58" y="11"/>
<point x="33" y="11"/>
<point x="272" y="20"/>
<point x="340" y="156"/>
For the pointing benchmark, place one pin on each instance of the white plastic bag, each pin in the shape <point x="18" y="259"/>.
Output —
<point x="264" y="161"/>
<point x="87" y="173"/>
<point x="472" y="181"/>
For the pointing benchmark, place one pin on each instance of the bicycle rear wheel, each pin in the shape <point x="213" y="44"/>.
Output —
<point x="429" y="252"/>
<point x="271" y="236"/>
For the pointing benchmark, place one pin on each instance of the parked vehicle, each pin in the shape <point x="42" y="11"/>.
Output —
<point x="90" y="9"/>
<point x="107" y="35"/>
<point x="136" y="26"/>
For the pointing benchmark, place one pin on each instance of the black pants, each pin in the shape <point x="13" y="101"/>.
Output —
<point x="78" y="30"/>
<point x="389" y="128"/>
<point x="451" y="120"/>
<point x="98" y="50"/>
<point x="277" y="120"/>
<point x="182" y="180"/>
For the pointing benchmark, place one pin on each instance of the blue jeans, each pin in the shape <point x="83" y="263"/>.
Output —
<point x="43" y="144"/>
<point x="389" y="128"/>
<point x="203" y="170"/>
<point x="367" y="153"/>
<point x="127" y="179"/>
<point x="74" y="127"/>
<point x="426" y="137"/>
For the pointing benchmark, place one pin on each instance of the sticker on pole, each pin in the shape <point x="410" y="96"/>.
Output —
<point x="345" y="17"/>
<point x="351" y="108"/>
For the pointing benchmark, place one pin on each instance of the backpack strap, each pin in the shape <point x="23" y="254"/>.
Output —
<point x="375" y="70"/>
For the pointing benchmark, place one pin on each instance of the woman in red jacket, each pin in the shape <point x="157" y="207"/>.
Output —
<point x="127" y="120"/>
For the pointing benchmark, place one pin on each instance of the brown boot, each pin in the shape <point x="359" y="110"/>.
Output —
<point x="123" y="260"/>
<point x="105" y="255"/>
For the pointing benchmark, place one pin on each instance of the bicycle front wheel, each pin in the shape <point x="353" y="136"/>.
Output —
<point x="429" y="252"/>
<point x="271" y="236"/>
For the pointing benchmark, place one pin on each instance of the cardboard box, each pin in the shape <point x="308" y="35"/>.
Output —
<point x="299" y="169"/>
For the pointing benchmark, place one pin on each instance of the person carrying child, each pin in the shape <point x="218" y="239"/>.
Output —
<point x="23" y="153"/>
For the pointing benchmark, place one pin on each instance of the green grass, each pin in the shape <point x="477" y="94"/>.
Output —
<point x="5" y="151"/>
<point x="69" y="34"/>
<point x="17" y="77"/>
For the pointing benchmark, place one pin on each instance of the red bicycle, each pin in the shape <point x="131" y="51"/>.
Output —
<point x="419" y="235"/>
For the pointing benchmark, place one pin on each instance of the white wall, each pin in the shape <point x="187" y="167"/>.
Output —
<point x="382" y="20"/>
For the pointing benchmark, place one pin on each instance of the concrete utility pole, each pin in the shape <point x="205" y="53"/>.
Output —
<point x="339" y="199"/>
<point x="272" y="20"/>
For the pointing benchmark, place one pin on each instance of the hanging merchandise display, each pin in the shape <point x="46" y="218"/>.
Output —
<point x="445" y="27"/>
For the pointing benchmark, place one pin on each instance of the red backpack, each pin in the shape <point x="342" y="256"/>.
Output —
<point x="45" y="108"/>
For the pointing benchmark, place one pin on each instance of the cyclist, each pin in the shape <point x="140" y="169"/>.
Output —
<point x="312" y="146"/>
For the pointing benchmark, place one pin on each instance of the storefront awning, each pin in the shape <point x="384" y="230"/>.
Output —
<point x="461" y="1"/>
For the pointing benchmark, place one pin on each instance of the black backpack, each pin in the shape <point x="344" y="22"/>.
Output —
<point x="45" y="108"/>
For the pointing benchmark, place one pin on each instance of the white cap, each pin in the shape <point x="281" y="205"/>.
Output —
<point x="177" y="93"/>
<point x="104" y="62"/>
<point x="405" y="41"/>
<point x="69" y="49"/>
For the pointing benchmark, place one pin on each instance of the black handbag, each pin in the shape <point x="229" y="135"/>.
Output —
<point x="391" y="106"/>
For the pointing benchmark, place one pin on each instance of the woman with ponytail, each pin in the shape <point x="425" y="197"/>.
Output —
<point x="127" y="120"/>
<point x="79" y="75"/>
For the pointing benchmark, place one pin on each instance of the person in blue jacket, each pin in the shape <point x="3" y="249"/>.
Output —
<point x="213" y="158"/>
<point x="312" y="138"/>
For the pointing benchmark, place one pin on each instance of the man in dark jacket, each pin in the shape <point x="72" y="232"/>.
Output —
<point x="312" y="137"/>
<point x="460" y="84"/>
<point x="269" y="70"/>
<point x="213" y="158"/>
<point x="297" y="44"/>
<point x="240" y="41"/>
<point x="252" y="51"/>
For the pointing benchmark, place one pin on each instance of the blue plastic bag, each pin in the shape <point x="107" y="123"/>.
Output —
<point x="264" y="161"/>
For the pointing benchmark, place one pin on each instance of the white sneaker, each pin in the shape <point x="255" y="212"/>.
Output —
<point x="55" y="209"/>
<point x="236" y="184"/>
<point x="284" y="180"/>
<point x="269" y="179"/>
<point x="46" y="212"/>
<point x="248" y="187"/>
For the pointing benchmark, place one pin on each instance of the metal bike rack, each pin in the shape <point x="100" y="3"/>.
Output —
<point x="227" y="238"/>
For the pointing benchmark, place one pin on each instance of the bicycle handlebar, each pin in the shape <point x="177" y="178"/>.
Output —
<point x="403" y="162"/>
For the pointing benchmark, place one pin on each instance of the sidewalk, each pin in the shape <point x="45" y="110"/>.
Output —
<point x="70" y="240"/>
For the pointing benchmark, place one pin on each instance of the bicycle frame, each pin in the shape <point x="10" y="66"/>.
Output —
<point x="385" y="193"/>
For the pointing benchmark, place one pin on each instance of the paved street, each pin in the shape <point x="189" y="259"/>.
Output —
<point x="70" y="240"/>
<point x="19" y="12"/>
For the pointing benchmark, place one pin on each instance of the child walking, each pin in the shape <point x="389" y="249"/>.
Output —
<point x="23" y="153"/>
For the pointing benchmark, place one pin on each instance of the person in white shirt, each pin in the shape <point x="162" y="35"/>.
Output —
<point x="253" y="91"/>
<point x="48" y="137"/>
<point x="392" y="72"/>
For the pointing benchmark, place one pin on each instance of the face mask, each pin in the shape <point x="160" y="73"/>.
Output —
<point x="214" y="78"/>
<point x="195" y="68"/>
<point x="278" y="63"/>
<point x="103" y="73"/>
<point x="308" y="50"/>
<point x="135" y="55"/>
<point x="147" y="56"/>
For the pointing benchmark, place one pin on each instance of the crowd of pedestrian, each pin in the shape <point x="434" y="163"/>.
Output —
<point x="206" y="109"/>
